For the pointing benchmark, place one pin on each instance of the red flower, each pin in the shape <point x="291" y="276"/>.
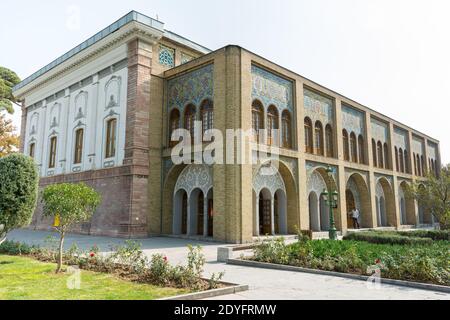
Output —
<point x="91" y="254"/>
<point x="378" y="261"/>
<point x="165" y="259"/>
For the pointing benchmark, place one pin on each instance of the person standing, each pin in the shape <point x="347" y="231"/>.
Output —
<point x="355" y="216"/>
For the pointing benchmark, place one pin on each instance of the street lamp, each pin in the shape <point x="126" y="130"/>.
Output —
<point x="331" y="198"/>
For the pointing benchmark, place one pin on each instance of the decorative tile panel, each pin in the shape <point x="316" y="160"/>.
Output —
<point x="192" y="87"/>
<point x="417" y="146"/>
<point x="186" y="58"/>
<point x="353" y="120"/>
<point x="166" y="56"/>
<point x="400" y="138"/>
<point x="271" y="89"/>
<point x="432" y="150"/>
<point x="318" y="107"/>
<point x="379" y="130"/>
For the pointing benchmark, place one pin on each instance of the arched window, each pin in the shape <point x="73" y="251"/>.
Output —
<point x="346" y="147"/>
<point x="405" y="153"/>
<point x="189" y="120"/>
<point x="174" y="124"/>
<point x="32" y="150"/>
<point x="78" y="152"/>
<point x="402" y="163"/>
<point x="308" y="136"/>
<point x="286" y="129"/>
<point x="329" y="140"/>
<point x="397" y="167"/>
<point x="111" y="128"/>
<point x="419" y="172"/>
<point x="318" y="132"/>
<point x="272" y="126"/>
<point x="52" y="152"/>
<point x="257" y="119"/>
<point x="207" y="112"/>
<point x="422" y="165"/>
<point x="387" y="163"/>
<point x="353" y="148"/>
<point x="380" y="155"/>
<point x="415" y="163"/>
<point x="374" y="153"/>
<point x="362" y="158"/>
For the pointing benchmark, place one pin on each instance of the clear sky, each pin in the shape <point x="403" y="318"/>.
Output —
<point x="392" y="56"/>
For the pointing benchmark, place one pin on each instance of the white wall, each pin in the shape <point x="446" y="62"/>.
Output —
<point x="94" y="100"/>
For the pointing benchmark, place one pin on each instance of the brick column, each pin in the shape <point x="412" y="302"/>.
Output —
<point x="23" y="127"/>
<point x="341" y="220"/>
<point x="394" y="180"/>
<point x="137" y="135"/>
<point x="371" y="182"/>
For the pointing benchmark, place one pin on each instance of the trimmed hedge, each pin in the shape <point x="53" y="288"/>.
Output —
<point x="387" y="238"/>
<point x="437" y="235"/>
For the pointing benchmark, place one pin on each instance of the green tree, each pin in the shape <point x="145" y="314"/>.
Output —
<point x="68" y="204"/>
<point x="18" y="192"/>
<point x="9" y="141"/>
<point x="8" y="79"/>
<point x="434" y="195"/>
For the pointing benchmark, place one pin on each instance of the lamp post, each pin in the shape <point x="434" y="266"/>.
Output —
<point x="331" y="198"/>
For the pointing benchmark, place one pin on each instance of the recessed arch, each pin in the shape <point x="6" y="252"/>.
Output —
<point x="385" y="197"/>
<point x="357" y="187"/>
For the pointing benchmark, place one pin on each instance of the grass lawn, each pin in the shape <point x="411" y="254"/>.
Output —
<point x="24" y="278"/>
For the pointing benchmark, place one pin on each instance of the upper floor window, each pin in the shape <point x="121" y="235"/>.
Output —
<point x="318" y="132"/>
<point x="52" y="154"/>
<point x="78" y="152"/>
<point x="353" y="147"/>
<point x="287" y="129"/>
<point x="111" y="128"/>
<point x="387" y="163"/>
<point x="257" y="119"/>
<point x="308" y="136"/>
<point x="401" y="162"/>
<point x="32" y="150"/>
<point x="380" y="155"/>
<point x="189" y="120"/>
<point x="407" y="170"/>
<point x="374" y="153"/>
<point x="346" y="147"/>
<point x="329" y="141"/>
<point x="207" y="112"/>
<point x="362" y="158"/>
<point x="397" y="166"/>
<point x="272" y="125"/>
<point x="174" y="124"/>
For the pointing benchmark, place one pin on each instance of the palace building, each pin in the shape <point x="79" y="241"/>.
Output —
<point x="103" y="114"/>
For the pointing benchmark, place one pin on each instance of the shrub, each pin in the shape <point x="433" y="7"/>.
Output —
<point x="386" y="238"/>
<point x="437" y="235"/>
<point x="16" y="248"/>
<point x="18" y="192"/>
<point x="68" y="204"/>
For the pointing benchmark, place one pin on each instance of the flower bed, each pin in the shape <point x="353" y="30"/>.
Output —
<point x="128" y="262"/>
<point x="421" y="263"/>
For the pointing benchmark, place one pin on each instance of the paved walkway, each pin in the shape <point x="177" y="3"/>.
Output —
<point x="264" y="283"/>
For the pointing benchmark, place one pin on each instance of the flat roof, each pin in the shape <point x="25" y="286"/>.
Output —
<point x="132" y="16"/>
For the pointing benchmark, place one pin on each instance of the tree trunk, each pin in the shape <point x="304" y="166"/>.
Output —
<point x="60" y="255"/>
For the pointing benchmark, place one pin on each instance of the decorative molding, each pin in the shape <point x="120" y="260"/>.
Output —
<point x="318" y="107"/>
<point x="193" y="177"/>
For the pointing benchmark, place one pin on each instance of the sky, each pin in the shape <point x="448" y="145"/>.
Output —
<point x="391" y="56"/>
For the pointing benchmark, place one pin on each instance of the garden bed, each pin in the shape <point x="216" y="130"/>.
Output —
<point x="129" y="263"/>
<point x="426" y="263"/>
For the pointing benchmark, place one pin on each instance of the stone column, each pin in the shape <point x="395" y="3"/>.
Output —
<point x="64" y="129"/>
<point x="341" y="222"/>
<point x="66" y="124"/>
<point x="394" y="180"/>
<point x="136" y="153"/>
<point x="372" y="181"/>
<point x="188" y="220"/>
<point x="205" y="215"/>
<point x="272" y="214"/>
<point x="44" y="139"/>
<point x="23" y="128"/>
<point x="256" y="222"/>
<point x="93" y="124"/>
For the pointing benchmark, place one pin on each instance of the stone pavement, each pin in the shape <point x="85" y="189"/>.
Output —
<point x="264" y="283"/>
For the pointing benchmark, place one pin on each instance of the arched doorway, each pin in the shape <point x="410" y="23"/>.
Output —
<point x="265" y="212"/>
<point x="406" y="206"/>
<point x="314" y="216"/>
<point x="385" y="197"/>
<point x="193" y="202"/>
<point x="357" y="196"/>
<point x="270" y="201"/>
<point x="351" y="205"/>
